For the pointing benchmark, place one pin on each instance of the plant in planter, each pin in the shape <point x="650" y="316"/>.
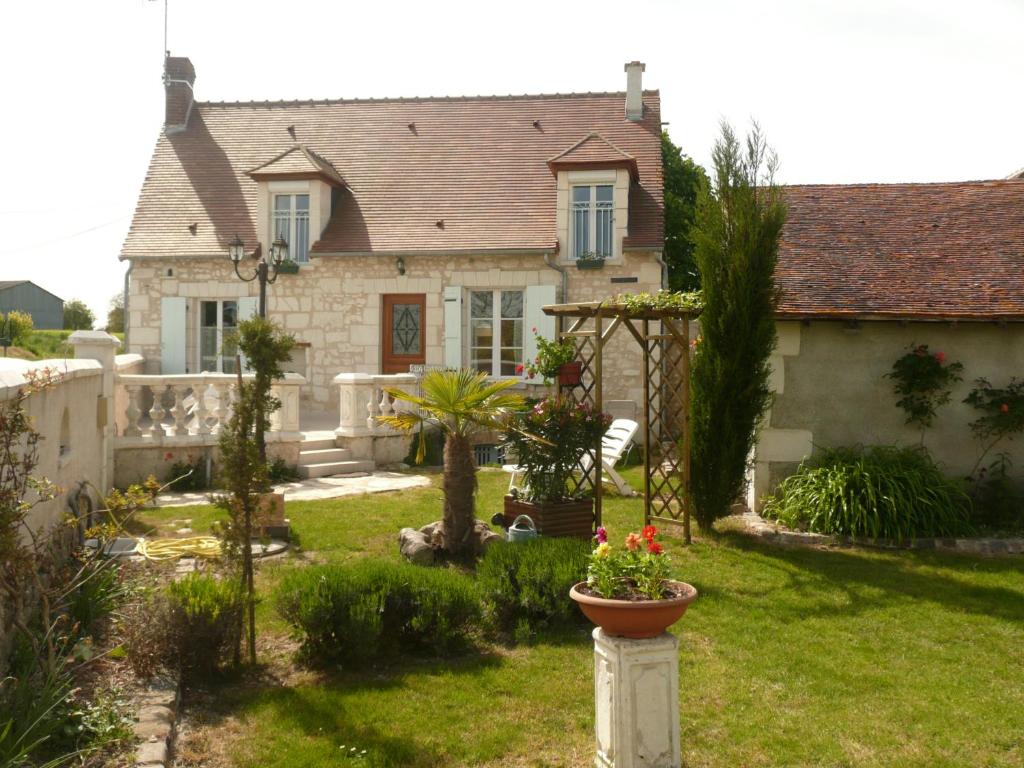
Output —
<point x="555" y="360"/>
<point x="548" y="441"/>
<point x="288" y="267"/>
<point x="628" y="592"/>
<point x="589" y="260"/>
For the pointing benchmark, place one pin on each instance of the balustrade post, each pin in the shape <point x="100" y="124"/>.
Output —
<point x="134" y="411"/>
<point x="156" y="413"/>
<point x="178" y="411"/>
<point x="223" y="409"/>
<point x="202" y="412"/>
<point x="355" y="396"/>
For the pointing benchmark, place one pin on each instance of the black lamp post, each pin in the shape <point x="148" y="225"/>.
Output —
<point x="266" y="268"/>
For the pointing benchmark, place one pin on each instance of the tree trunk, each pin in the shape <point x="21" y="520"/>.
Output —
<point x="459" y="490"/>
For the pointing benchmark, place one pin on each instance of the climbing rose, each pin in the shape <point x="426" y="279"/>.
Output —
<point x="649" y="533"/>
<point x="654" y="548"/>
<point x="1004" y="408"/>
<point x="940" y="357"/>
<point x="602" y="535"/>
<point x="632" y="542"/>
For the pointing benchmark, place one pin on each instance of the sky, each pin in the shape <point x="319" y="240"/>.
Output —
<point x="846" y="91"/>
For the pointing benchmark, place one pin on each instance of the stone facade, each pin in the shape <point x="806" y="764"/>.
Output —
<point x="830" y="391"/>
<point x="334" y="307"/>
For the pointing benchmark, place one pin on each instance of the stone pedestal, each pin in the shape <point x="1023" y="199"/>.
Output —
<point x="636" y="695"/>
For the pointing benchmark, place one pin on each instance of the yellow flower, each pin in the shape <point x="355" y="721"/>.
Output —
<point x="603" y="550"/>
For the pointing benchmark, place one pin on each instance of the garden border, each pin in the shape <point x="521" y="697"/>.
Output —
<point x="755" y="525"/>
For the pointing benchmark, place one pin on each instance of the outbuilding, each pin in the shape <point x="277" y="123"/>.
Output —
<point x="46" y="309"/>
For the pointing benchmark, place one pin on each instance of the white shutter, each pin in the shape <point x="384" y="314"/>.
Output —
<point x="247" y="309"/>
<point x="536" y="298"/>
<point x="453" y="326"/>
<point x="172" y="334"/>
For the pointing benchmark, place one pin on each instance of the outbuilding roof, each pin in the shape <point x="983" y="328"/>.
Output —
<point x="916" y="251"/>
<point x="421" y="175"/>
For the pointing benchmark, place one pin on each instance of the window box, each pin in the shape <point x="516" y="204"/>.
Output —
<point x="591" y="262"/>
<point x="288" y="268"/>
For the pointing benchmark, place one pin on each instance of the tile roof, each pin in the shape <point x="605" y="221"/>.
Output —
<point x="928" y="251"/>
<point x="478" y="163"/>
<point x="594" y="151"/>
<point x="297" y="163"/>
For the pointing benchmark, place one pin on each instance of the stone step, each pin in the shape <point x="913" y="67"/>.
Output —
<point x="316" y="444"/>
<point x="323" y="455"/>
<point x="332" y="468"/>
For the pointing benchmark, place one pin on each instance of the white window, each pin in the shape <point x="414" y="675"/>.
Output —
<point x="591" y="222"/>
<point x="291" y="221"/>
<point x="496" y="331"/>
<point x="217" y="319"/>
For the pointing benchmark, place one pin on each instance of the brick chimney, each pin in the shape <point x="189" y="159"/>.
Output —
<point x="179" y="75"/>
<point x="635" y="90"/>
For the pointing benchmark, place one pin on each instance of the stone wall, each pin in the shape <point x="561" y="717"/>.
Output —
<point x="334" y="306"/>
<point x="134" y="465"/>
<point x="831" y="390"/>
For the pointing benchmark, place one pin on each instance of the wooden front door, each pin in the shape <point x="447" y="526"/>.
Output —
<point x="405" y="316"/>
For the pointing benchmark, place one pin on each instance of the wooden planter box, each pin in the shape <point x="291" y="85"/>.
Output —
<point x="567" y="518"/>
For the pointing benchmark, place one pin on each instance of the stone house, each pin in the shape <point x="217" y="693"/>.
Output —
<point x="427" y="231"/>
<point x="866" y="271"/>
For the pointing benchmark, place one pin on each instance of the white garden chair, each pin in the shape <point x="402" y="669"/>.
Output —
<point x="614" y="447"/>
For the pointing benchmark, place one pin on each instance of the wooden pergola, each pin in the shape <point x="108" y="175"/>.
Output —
<point x="664" y="337"/>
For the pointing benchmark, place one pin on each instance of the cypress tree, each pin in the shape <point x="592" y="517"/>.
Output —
<point x="736" y="241"/>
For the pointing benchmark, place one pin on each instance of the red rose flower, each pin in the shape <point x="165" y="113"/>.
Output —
<point x="654" y="548"/>
<point x="940" y="357"/>
<point x="1004" y="408"/>
<point x="519" y="369"/>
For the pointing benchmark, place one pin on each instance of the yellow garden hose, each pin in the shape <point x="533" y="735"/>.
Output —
<point x="172" y="549"/>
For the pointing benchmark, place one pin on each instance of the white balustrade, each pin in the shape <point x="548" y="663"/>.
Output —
<point x="192" y="408"/>
<point x="363" y="400"/>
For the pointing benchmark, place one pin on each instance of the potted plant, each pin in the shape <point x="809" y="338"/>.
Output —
<point x="556" y="360"/>
<point x="288" y="267"/>
<point x="589" y="260"/>
<point x="628" y="592"/>
<point x="548" y="441"/>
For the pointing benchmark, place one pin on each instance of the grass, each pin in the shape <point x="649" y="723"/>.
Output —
<point x="42" y="345"/>
<point x="797" y="657"/>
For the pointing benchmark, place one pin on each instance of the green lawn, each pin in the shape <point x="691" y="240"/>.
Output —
<point x="51" y="344"/>
<point x="790" y="657"/>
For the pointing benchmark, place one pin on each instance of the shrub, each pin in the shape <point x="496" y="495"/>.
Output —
<point x="525" y="586"/>
<point x="187" y="477"/>
<point x="997" y="498"/>
<point x="358" y="611"/>
<point x="280" y="471"/>
<point x="204" y="616"/>
<point x="923" y="380"/>
<point x="880" y="492"/>
<point x="19" y="326"/>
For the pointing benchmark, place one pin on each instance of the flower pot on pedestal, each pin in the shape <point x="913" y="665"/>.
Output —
<point x="636" y="619"/>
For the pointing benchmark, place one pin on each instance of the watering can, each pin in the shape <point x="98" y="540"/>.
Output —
<point x="522" y="529"/>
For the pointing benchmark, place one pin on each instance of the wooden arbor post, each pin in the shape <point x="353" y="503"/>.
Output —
<point x="664" y="338"/>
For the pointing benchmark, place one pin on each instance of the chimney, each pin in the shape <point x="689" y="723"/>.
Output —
<point x="179" y="75"/>
<point x="635" y="90"/>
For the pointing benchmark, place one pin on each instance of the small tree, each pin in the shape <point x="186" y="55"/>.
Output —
<point x="737" y="233"/>
<point x="77" y="316"/>
<point x="115" y="314"/>
<point x="18" y="325"/>
<point x="458" y="403"/>
<point x="684" y="180"/>
<point x="243" y="462"/>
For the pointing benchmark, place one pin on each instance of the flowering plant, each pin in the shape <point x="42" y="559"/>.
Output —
<point x="551" y="356"/>
<point x="923" y="380"/>
<point x="548" y="441"/>
<point x="638" y="571"/>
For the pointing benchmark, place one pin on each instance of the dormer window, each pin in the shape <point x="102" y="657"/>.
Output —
<point x="291" y="221"/>
<point x="592" y="222"/>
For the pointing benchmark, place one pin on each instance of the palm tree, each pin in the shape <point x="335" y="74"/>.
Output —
<point x="459" y="403"/>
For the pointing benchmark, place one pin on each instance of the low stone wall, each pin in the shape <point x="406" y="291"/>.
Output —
<point x="778" y="534"/>
<point x="135" y="464"/>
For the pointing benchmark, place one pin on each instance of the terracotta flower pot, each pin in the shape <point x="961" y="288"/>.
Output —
<point x="636" y="619"/>
<point x="570" y="373"/>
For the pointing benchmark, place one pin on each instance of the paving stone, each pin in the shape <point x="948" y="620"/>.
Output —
<point x="154" y="722"/>
<point x="152" y="752"/>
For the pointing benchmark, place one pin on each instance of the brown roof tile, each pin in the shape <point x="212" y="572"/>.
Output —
<point x="297" y="163"/>
<point x="478" y="163"/>
<point x="594" y="151"/>
<point x="930" y="251"/>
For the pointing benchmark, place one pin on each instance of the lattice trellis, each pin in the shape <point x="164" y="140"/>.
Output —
<point x="663" y="336"/>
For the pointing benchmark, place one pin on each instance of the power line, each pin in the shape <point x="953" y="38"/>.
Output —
<point x="73" y="235"/>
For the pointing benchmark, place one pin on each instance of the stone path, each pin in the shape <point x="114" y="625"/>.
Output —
<point x="318" y="488"/>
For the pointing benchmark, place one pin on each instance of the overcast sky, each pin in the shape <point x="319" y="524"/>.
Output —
<point x="864" y="90"/>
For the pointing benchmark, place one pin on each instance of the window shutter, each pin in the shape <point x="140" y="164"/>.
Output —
<point x="536" y="298"/>
<point x="453" y="326"/>
<point x="172" y="334"/>
<point x="247" y="309"/>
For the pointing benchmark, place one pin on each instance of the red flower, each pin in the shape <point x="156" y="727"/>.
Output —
<point x="940" y="357"/>
<point x="654" y="547"/>
<point x="519" y="369"/>
<point x="168" y="456"/>
<point x="649" y="532"/>
<point x="1004" y="408"/>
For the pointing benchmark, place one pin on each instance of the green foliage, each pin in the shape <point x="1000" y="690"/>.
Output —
<point x="548" y="440"/>
<point x="47" y="344"/>
<point x="78" y="316"/>
<point x="18" y="325"/>
<point x="880" y="493"/>
<point x="204" y="616"/>
<point x="997" y="499"/>
<point x="115" y="314"/>
<point x="280" y="471"/>
<point x="185" y="477"/>
<point x="97" y="592"/>
<point x="684" y="182"/>
<point x="372" y="609"/>
<point x="922" y="381"/>
<point x="737" y="240"/>
<point x="640" y="569"/>
<point x="1002" y="409"/>
<point x="525" y="586"/>
<point x="679" y="301"/>
<point x="31" y="704"/>
<point x="551" y="356"/>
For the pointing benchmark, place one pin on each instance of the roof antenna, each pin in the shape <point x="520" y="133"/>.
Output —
<point x="166" y="52"/>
